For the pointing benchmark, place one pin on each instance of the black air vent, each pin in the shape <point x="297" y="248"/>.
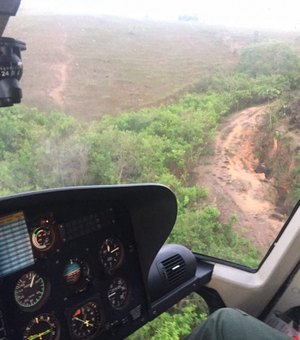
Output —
<point x="174" y="268"/>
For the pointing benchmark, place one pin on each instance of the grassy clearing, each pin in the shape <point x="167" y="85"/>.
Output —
<point x="115" y="65"/>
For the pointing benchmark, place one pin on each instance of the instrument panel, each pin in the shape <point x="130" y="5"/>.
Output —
<point x="69" y="271"/>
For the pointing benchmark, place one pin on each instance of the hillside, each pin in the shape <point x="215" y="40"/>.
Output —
<point x="110" y="65"/>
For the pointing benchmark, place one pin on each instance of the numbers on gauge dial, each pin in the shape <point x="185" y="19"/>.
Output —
<point x="43" y="237"/>
<point x="44" y="326"/>
<point x="111" y="254"/>
<point x="31" y="291"/>
<point x="86" y="321"/>
<point x="118" y="293"/>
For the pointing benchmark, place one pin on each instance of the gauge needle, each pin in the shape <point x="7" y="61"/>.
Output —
<point x="115" y="250"/>
<point x="86" y="322"/>
<point x="32" y="280"/>
<point x="40" y="335"/>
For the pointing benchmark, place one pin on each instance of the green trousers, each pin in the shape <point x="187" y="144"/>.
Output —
<point x="233" y="324"/>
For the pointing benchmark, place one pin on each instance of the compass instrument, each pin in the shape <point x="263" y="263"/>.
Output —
<point x="86" y="321"/>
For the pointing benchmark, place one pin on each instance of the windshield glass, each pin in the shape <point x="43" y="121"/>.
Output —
<point x="201" y="97"/>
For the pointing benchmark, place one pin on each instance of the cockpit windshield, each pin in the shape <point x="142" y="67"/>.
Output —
<point x="200" y="96"/>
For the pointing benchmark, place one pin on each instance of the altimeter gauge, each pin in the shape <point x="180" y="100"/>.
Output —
<point x="111" y="254"/>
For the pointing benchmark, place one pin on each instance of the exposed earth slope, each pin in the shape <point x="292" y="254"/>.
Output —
<point x="234" y="185"/>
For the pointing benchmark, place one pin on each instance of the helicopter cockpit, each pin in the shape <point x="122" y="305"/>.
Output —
<point x="79" y="262"/>
<point x="93" y="261"/>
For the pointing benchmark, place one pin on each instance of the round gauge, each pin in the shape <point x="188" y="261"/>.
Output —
<point x="75" y="272"/>
<point x="118" y="293"/>
<point x="43" y="237"/>
<point x="111" y="254"/>
<point x="42" y="327"/>
<point x="86" y="321"/>
<point x="72" y="272"/>
<point x="31" y="291"/>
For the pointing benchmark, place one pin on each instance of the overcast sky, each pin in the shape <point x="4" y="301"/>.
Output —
<point x="282" y="14"/>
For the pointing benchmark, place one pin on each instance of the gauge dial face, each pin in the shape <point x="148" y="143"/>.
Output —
<point x="72" y="272"/>
<point x="86" y="321"/>
<point x="111" y="254"/>
<point x="31" y="291"/>
<point x="42" y="327"/>
<point x="43" y="237"/>
<point x="75" y="272"/>
<point x="118" y="293"/>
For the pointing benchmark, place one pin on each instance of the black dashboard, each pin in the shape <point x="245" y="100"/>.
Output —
<point x="75" y="262"/>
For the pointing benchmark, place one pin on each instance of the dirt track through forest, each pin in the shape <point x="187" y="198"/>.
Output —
<point x="234" y="186"/>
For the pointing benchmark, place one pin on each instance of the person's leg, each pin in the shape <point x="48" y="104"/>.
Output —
<point x="233" y="324"/>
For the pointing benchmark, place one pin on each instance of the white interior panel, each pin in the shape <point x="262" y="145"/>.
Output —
<point x="251" y="292"/>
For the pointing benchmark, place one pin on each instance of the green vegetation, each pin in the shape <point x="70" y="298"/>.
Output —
<point x="176" y="324"/>
<point x="271" y="59"/>
<point x="151" y="145"/>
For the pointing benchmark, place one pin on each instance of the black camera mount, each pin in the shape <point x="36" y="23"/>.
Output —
<point x="11" y="70"/>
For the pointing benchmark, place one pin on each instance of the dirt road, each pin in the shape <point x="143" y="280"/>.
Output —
<point x="60" y="69"/>
<point x="233" y="185"/>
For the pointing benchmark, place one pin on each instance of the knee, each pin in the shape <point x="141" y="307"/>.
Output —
<point x="228" y="315"/>
<point x="226" y="312"/>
